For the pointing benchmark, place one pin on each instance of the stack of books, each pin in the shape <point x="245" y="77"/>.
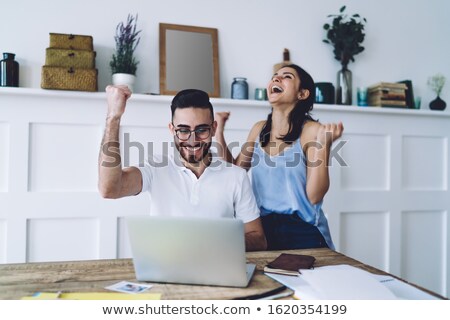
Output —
<point x="388" y="94"/>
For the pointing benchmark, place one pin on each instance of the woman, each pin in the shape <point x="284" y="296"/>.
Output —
<point x="288" y="154"/>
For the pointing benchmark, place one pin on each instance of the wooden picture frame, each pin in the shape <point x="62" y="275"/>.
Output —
<point x="188" y="59"/>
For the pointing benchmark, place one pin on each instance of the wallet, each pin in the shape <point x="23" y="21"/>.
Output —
<point x="292" y="262"/>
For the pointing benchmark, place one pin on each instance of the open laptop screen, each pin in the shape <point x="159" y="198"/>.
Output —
<point x="188" y="250"/>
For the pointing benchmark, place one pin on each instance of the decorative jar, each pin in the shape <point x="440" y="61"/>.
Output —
<point x="9" y="71"/>
<point x="344" y="86"/>
<point x="239" y="88"/>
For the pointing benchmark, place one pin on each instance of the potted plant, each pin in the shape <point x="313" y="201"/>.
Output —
<point x="123" y="63"/>
<point x="346" y="34"/>
<point x="436" y="83"/>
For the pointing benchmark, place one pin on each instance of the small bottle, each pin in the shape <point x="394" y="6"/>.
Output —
<point x="9" y="71"/>
<point x="239" y="88"/>
<point x="286" y="61"/>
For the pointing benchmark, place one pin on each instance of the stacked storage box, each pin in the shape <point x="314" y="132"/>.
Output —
<point x="69" y="63"/>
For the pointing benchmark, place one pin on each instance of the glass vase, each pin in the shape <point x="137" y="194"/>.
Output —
<point x="239" y="88"/>
<point x="344" y="87"/>
<point x="9" y="71"/>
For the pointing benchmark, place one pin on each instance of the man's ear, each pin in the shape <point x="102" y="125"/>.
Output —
<point x="303" y="94"/>
<point x="213" y="128"/>
<point x="171" y="128"/>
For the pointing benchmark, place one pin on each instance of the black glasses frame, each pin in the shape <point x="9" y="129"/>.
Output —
<point x="195" y="131"/>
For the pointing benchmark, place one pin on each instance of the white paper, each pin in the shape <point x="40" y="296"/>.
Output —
<point x="403" y="290"/>
<point x="302" y="289"/>
<point x="346" y="283"/>
<point x="305" y="290"/>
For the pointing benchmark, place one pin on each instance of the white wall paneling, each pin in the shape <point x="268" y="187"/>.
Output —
<point x="2" y="241"/>
<point x="123" y="243"/>
<point x="358" y="231"/>
<point x="78" y="143"/>
<point x="424" y="163"/>
<point x="375" y="168"/>
<point x="424" y="250"/>
<point x="4" y="158"/>
<point x="388" y="207"/>
<point x="62" y="239"/>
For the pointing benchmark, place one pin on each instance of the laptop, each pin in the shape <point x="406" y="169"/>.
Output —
<point x="190" y="250"/>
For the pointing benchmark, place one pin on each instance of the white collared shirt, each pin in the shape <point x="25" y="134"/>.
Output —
<point x="223" y="190"/>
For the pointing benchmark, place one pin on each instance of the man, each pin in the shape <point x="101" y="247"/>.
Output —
<point x="191" y="182"/>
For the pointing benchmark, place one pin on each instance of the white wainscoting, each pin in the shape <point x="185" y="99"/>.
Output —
<point x="4" y="151"/>
<point x="388" y="206"/>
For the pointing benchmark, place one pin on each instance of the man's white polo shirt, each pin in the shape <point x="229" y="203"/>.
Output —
<point x="223" y="190"/>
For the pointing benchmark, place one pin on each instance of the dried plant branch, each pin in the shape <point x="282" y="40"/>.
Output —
<point x="436" y="83"/>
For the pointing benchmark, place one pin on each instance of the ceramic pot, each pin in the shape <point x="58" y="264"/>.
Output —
<point x="437" y="104"/>
<point x="124" y="79"/>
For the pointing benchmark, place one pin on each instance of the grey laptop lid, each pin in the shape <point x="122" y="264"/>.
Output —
<point x="189" y="250"/>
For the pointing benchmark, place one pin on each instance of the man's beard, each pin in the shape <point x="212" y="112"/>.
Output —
<point x="188" y="156"/>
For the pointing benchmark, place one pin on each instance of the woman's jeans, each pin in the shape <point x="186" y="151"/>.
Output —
<point x="289" y="231"/>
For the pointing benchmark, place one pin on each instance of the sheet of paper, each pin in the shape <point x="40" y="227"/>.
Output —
<point x="403" y="290"/>
<point x="301" y="288"/>
<point x="348" y="283"/>
<point x="304" y="290"/>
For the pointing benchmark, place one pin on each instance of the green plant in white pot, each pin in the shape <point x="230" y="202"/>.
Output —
<point x="123" y="63"/>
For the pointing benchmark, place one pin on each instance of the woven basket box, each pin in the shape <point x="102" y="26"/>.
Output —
<point x="69" y="78"/>
<point x="70" y="58"/>
<point x="71" y="41"/>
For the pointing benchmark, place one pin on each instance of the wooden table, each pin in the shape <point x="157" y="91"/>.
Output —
<point x="18" y="280"/>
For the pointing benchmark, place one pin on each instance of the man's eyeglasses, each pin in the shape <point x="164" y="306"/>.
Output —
<point x="201" y="133"/>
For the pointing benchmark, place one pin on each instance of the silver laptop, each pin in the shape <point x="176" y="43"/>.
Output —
<point x="189" y="250"/>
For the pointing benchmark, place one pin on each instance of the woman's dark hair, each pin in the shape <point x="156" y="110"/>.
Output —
<point x="298" y="115"/>
<point x="191" y="98"/>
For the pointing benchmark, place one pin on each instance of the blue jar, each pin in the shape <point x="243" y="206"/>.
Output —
<point x="239" y="88"/>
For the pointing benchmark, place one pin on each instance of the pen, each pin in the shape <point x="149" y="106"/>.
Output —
<point x="276" y="296"/>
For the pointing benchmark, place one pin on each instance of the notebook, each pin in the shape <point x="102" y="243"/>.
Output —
<point x="189" y="250"/>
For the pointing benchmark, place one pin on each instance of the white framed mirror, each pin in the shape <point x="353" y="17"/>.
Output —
<point x="188" y="59"/>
